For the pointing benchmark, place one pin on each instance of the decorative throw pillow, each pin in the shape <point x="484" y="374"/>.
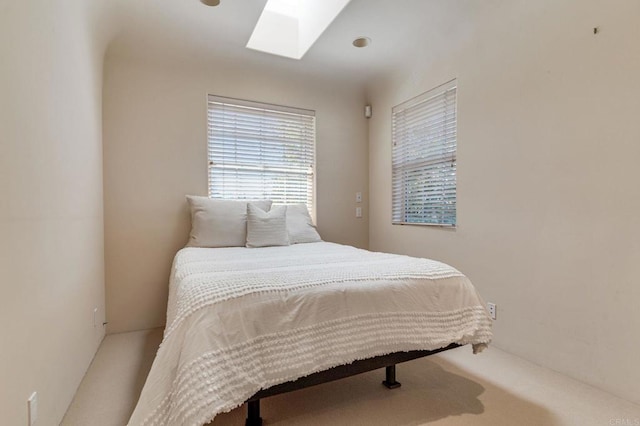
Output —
<point x="300" y="226"/>
<point x="266" y="229"/>
<point x="220" y="223"/>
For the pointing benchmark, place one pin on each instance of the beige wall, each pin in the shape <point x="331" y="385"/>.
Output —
<point x="51" y="211"/>
<point x="155" y="154"/>
<point x="548" y="193"/>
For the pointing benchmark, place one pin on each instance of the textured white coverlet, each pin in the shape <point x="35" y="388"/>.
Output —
<point x="240" y="320"/>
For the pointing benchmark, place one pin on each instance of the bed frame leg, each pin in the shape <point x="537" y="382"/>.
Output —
<point x="390" y="381"/>
<point x="253" y="413"/>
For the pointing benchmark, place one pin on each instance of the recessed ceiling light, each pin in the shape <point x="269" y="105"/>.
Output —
<point x="210" y="2"/>
<point x="362" y="42"/>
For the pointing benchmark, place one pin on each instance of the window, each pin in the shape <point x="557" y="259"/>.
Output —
<point x="424" y="158"/>
<point x="259" y="151"/>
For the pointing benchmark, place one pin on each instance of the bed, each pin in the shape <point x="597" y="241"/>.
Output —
<point x="245" y="323"/>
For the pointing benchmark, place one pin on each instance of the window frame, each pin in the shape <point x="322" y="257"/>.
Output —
<point x="399" y="212"/>
<point x="274" y="110"/>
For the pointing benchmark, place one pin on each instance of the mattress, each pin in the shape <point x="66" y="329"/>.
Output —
<point x="240" y="320"/>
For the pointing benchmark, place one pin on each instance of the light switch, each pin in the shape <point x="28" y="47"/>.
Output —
<point x="358" y="197"/>
<point x="358" y="211"/>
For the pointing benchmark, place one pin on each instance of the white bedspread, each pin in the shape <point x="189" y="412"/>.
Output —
<point x="240" y="320"/>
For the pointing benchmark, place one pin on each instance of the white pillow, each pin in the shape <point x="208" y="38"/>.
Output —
<point x="219" y="223"/>
<point x="266" y="229"/>
<point x="300" y="226"/>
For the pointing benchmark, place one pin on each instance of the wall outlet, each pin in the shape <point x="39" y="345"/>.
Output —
<point x="492" y="308"/>
<point x="358" y="211"/>
<point x="32" y="407"/>
<point x="358" y="197"/>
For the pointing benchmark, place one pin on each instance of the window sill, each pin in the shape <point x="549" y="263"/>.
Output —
<point x="435" y="225"/>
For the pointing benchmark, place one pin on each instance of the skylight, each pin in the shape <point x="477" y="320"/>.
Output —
<point x="290" y="27"/>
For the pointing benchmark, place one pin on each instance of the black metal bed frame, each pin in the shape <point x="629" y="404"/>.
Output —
<point x="357" y="367"/>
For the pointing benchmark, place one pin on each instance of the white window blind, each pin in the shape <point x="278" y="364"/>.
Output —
<point x="260" y="151"/>
<point x="424" y="158"/>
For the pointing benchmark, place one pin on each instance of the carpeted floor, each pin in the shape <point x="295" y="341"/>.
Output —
<point x="453" y="388"/>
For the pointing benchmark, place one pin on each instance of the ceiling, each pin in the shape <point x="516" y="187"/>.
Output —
<point x="401" y="31"/>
